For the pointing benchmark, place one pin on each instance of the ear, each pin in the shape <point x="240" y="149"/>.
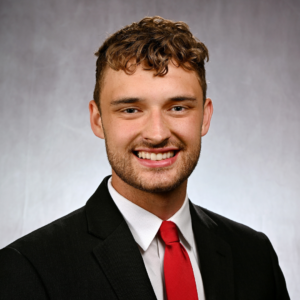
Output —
<point x="207" y="114"/>
<point x="95" y="119"/>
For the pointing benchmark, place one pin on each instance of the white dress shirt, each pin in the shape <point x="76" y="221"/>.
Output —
<point x="144" y="227"/>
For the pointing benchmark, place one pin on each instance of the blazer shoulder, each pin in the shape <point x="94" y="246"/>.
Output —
<point x="64" y="228"/>
<point x="72" y="227"/>
<point x="48" y="256"/>
<point x="251" y="250"/>
<point x="228" y="228"/>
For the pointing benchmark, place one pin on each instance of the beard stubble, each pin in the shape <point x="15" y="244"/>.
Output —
<point x="122" y="164"/>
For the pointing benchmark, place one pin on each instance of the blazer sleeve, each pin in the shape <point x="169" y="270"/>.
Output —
<point x="281" y="289"/>
<point x="18" y="278"/>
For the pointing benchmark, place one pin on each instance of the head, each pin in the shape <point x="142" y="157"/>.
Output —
<point x="151" y="43"/>
<point x="150" y="103"/>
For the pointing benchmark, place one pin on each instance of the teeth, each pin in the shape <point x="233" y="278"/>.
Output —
<point x="155" y="156"/>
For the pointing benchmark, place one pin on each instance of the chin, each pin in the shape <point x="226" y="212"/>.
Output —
<point x="156" y="183"/>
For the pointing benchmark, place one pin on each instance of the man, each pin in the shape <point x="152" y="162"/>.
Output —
<point x="138" y="236"/>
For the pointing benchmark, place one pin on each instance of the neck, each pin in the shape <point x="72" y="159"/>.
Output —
<point x="163" y="205"/>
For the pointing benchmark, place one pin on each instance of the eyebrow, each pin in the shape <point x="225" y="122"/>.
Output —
<point x="130" y="100"/>
<point x="125" y="101"/>
<point x="182" y="98"/>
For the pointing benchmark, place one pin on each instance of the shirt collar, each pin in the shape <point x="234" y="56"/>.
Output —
<point x="145" y="225"/>
<point x="182" y="218"/>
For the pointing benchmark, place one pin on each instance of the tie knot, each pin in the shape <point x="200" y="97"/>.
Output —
<point x="168" y="232"/>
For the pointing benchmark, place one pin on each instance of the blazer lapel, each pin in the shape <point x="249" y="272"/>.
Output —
<point x="214" y="256"/>
<point x="117" y="253"/>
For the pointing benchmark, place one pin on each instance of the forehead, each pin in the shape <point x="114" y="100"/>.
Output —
<point x="143" y="84"/>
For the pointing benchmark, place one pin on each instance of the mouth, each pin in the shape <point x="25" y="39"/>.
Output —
<point x="155" y="156"/>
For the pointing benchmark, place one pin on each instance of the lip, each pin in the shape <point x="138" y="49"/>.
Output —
<point x="157" y="163"/>
<point x="157" y="150"/>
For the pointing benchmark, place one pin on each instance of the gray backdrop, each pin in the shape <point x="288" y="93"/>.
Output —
<point x="249" y="168"/>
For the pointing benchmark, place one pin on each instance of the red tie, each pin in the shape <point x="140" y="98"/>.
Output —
<point x="179" y="275"/>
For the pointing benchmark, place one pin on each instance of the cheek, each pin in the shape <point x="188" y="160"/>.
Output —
<point x="188" y="129"/>
<point x="122" y="134"/>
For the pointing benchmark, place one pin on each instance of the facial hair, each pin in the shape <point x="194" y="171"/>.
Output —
<point x="122" y="164"/>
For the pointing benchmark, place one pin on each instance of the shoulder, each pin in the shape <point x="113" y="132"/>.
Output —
<point x="39" y="252"/>
<point x="68" y="237"/>
<point x="228" y="230"/>
<point x="65" y="227"/>
<point x="56" y="244"/>
<point x="253" y="257"/>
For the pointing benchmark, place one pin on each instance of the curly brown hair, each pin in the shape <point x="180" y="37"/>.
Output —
<point x="152" y="42"/>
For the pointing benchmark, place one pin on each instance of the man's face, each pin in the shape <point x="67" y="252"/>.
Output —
<point x="152" y="126"/>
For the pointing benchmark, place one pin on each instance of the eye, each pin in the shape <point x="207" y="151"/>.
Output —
<point x="178" y="108"/>
<point x="130" y="110"/>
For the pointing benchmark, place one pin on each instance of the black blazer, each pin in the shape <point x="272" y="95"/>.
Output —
<point x="91" y="254"/>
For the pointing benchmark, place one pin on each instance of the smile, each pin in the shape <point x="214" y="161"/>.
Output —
<point x="155" y="156"/>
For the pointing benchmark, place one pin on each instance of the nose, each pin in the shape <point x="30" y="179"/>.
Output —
<point x="156" y="129"/>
